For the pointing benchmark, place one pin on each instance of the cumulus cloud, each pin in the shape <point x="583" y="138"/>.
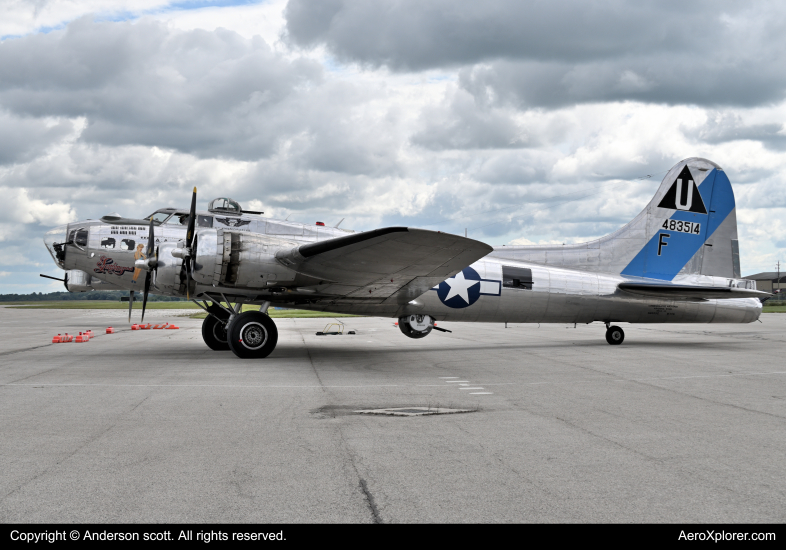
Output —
<point x="527" y="122"/>
<point x="18" y="207"/>
<point x="558" y="53"/>
<point x="212" y="94"/>
<point x="24" y="138"/>
<point x="460" y="123"/>
<point x="20" y="17"/>
<point x="723" y="127"/>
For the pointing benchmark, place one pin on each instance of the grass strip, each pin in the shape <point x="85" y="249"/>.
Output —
<point x="198" y="314"/>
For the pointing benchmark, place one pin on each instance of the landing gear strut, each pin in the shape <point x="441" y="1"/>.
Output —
<point x="614" y="335"/>
<point x="252" y="335"/>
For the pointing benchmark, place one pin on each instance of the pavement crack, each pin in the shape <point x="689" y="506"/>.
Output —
<point x="59" y="462"/>
<point x="707" y="400"/>
<point x="4" y="353"/>
<point x="370" y="499"/>
<point x="311" y="362"/>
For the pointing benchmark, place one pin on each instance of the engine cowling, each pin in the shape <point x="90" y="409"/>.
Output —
<point x="242" y="259"/>
<point x="416" y="326"/>
<point x="166" y="276"/>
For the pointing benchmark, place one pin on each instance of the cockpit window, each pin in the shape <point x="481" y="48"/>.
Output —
<point x="225" y="205"/>
<point x="81" y="237"/>
<point x="181" y="218"/>
<point x="78" y="237"/>
<point x="178" y="219"/>
<point x="159" y="217"/>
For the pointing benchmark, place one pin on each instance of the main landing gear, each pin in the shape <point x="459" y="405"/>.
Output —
<point x="250" y="335"/>
<point x="214" y="333"/>
<point x="614" y="335"/>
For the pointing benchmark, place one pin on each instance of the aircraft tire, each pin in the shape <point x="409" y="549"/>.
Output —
<point x="214" y="334"/>
<point x="252" y="335"/>
<point x="615" y="336"/>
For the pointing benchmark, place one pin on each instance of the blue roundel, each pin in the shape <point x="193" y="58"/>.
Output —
<point x="461" y="290"/>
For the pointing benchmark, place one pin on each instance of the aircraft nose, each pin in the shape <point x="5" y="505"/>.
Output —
<point x="55" y="240"/>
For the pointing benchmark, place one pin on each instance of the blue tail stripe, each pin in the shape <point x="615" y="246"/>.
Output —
<point x="677" y="248"/>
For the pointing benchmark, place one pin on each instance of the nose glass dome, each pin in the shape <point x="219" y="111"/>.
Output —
<point x="55" y="240"/>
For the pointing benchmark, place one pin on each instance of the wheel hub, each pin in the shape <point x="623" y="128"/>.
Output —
<point x="253" y="336"/>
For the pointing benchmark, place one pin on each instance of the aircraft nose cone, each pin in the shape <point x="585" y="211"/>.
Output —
<point x="55" y="240"/>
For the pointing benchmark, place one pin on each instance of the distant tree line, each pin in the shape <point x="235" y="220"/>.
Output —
<point x="93" y="295"/>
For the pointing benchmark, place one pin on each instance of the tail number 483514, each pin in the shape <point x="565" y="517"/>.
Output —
<point x="682" y="227"/>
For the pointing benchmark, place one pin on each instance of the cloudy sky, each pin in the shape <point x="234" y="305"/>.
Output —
<point x="521" y="122"/>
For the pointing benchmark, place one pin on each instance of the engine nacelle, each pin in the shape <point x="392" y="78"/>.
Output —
<point x="416" y="326"/>
<point x="234" y="258"/>
<point x="166" y="276"/>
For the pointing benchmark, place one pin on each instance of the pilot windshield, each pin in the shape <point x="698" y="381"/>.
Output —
<point x="178" y="218"/>
<point x="159" y="217"/>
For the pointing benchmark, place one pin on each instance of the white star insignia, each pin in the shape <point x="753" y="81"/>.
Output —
<point x="459" y="287"/>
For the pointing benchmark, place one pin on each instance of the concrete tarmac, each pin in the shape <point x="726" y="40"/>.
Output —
<point x="681" y="423"/>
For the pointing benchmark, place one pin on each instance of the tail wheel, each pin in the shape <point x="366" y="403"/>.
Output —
<point x="615" y="336"/>
<point x="252" y="335"/>
<point x="214" y="333"/>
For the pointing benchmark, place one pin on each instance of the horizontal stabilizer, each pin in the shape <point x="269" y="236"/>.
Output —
<point x="395" y="264"/>
<point x="690" y="292"/>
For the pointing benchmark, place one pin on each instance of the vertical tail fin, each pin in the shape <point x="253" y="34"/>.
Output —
<point x="691" y="225"/>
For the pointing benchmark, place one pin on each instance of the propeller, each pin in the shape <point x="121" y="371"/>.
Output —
<point x="190" y="241"/>
<point x="130" y="304"/>
<point x="152" y="264"/>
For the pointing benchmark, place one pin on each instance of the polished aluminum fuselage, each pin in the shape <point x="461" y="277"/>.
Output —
<point x="686" y="235"/>
<point x="557" y="295"/>
<point x="561" y="295"/>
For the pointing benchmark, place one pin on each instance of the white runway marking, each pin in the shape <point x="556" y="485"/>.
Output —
<point x="471" y="388"/>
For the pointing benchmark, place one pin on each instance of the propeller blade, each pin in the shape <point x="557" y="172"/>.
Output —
<point x="151" y="239"/>
<point x="144" y="296"/>
<point x="130" y="304"/>
<point x="185" y="263"/>
<point x="50" y="277"/>
<point x="191" y="220"/>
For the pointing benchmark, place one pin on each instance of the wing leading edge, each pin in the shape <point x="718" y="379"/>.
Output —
<point x="389" y="265"/>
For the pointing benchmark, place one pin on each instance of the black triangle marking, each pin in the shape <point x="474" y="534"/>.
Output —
<point x="689" y="200"/>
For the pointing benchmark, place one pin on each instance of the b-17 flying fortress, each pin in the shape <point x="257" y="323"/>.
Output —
<point x="676" y="262"/>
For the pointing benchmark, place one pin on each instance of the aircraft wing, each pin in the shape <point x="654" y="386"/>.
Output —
<point x="689" y="292"/>
<point x="390" y="265"/>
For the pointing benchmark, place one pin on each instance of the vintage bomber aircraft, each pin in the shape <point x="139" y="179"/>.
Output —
<point x="676" y="262"/>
